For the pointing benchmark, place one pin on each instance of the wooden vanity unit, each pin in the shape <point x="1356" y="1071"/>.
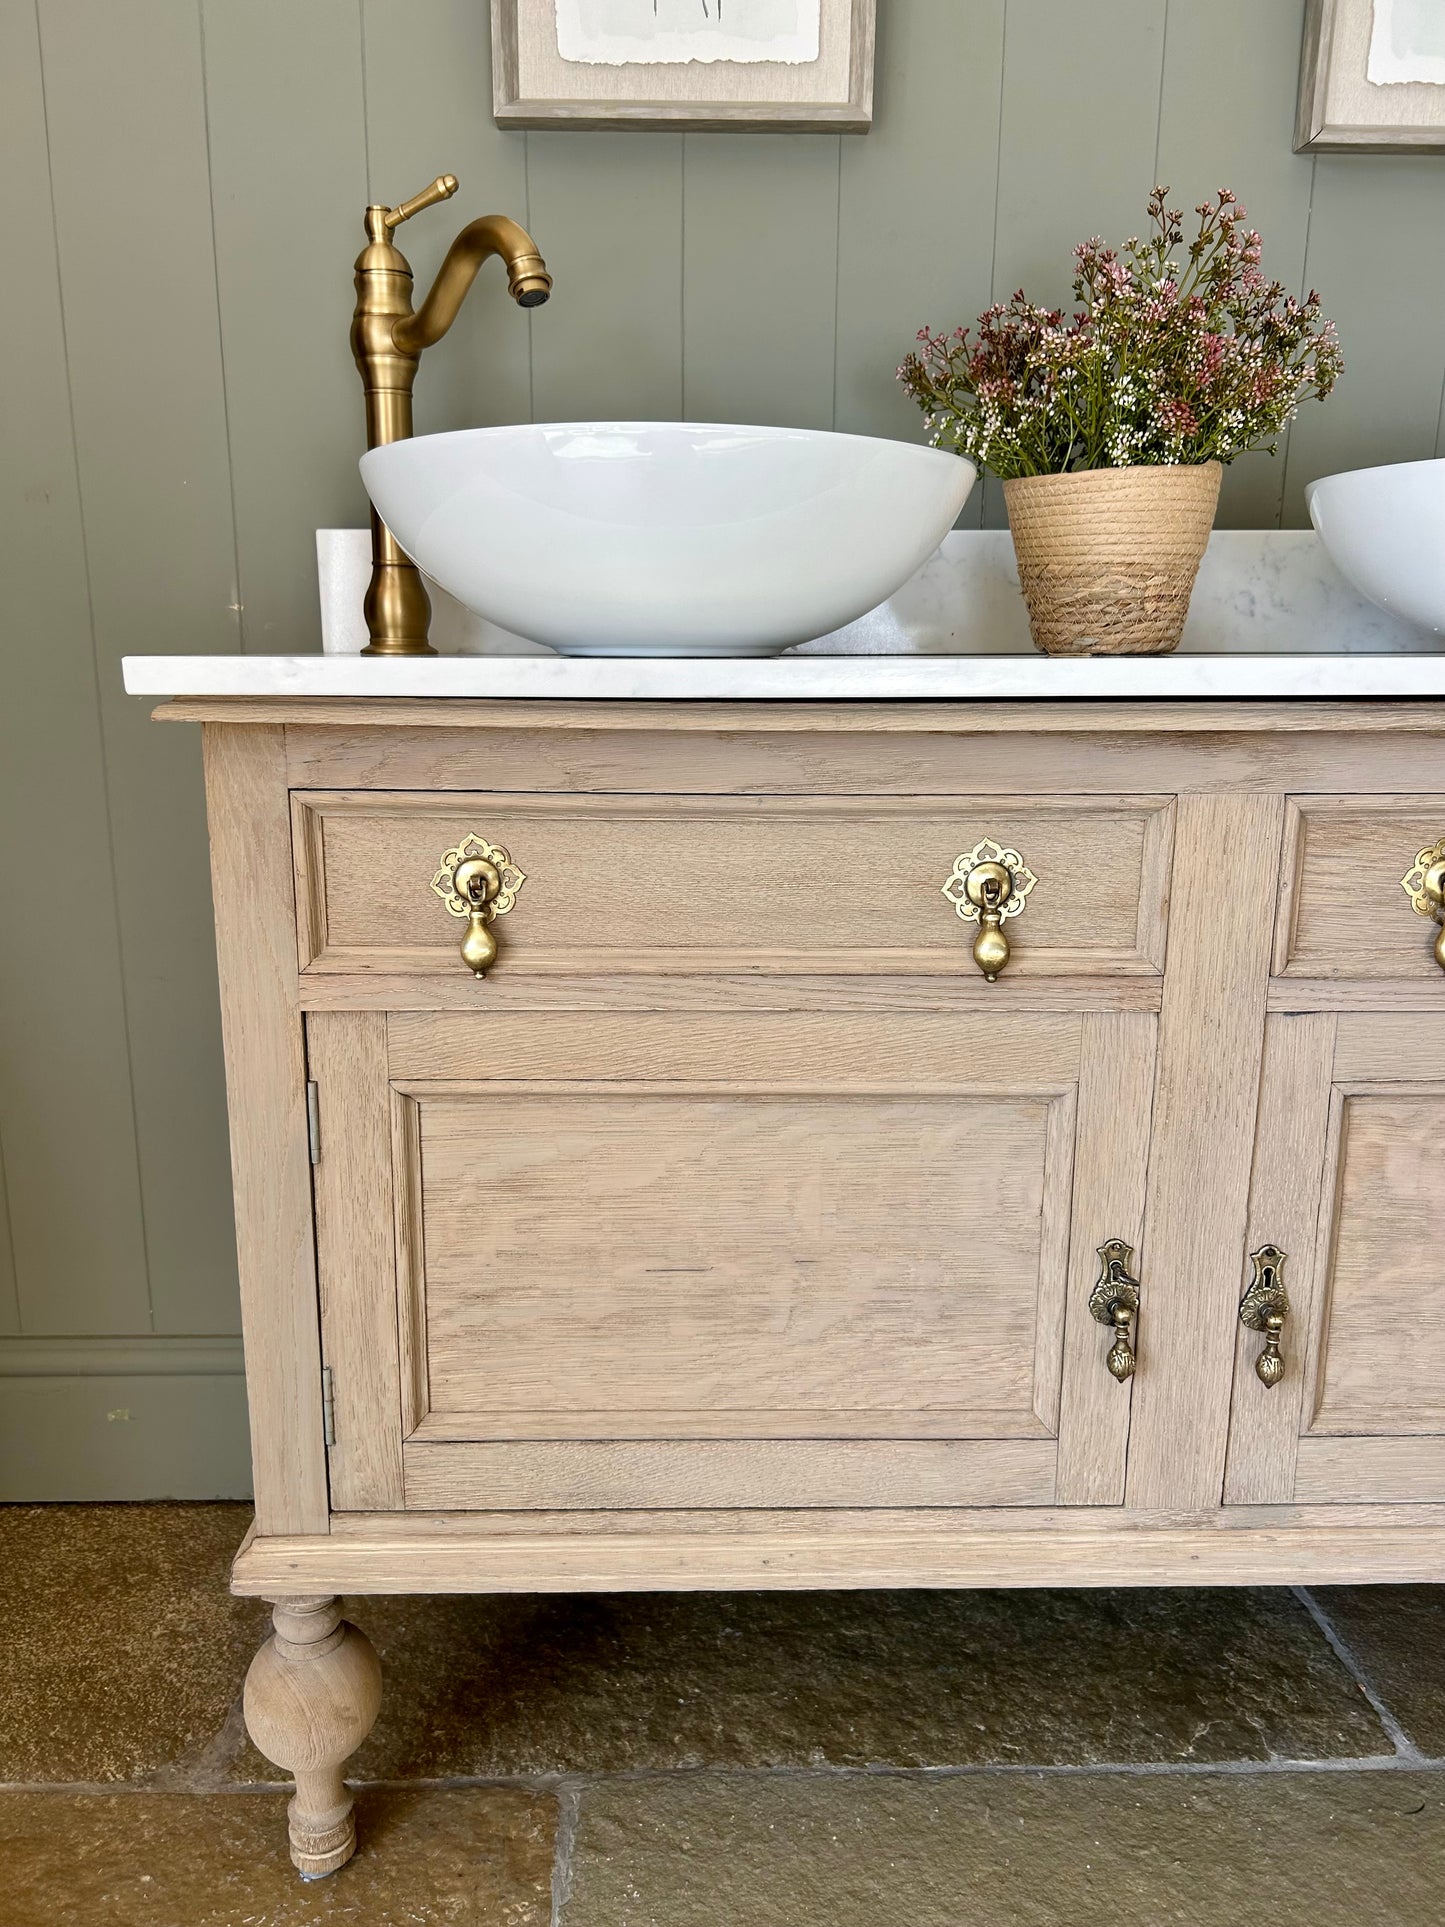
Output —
<point x="735" y="1230"/>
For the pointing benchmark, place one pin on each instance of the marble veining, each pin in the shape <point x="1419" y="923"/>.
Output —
<point x="1260" y="592"/>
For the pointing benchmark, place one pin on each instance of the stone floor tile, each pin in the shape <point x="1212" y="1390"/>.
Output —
<point x="121" y="1650"/>
<point x="1309" y="1849"/>
<point x="471" y="1857"/>
<point x="1397" y="1633"/>
<point x="482" y="1686"/>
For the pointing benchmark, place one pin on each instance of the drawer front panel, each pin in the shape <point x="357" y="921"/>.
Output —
<point x="696" y="886"/>
<point x="1343" y="911"/>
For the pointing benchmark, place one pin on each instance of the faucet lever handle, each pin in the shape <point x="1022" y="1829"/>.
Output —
<point x="441" y="189"/>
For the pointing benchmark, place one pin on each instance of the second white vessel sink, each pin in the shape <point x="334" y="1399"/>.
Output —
<point x="666" y="538"/>
<point x="1385" y="532"/>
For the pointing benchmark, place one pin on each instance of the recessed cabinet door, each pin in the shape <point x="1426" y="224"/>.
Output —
<point x="657" y="1260"/>
<point x="1349" y="1183"/>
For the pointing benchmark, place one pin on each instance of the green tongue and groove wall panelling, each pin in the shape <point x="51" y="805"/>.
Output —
<point x="186" y="179"/>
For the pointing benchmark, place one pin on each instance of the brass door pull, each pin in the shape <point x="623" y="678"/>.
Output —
<point x="988" y="884"/>
<point x="1264" y="1308"/>
<point x="1425" y="887"/>
<point x="479" y="881"/>
<point x="1114" y="1301"/>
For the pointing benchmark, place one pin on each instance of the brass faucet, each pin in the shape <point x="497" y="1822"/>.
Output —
<point x="387" y="340"/>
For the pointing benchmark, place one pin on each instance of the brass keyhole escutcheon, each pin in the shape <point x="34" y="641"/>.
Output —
<point x="1424" y="885"/>
<point x="1264" y="1308"/>
<point x="479" y="881"/>
<point x="1114" y="1301"/>
<point x="989" y="884"/>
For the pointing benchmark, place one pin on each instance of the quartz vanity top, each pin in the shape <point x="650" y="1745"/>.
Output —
<point x="801" y="678"/>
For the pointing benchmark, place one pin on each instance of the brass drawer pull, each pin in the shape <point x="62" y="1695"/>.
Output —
<point x="988" y="884"/>
<point x="1264" y="1308"/>
<point x="1114" y="1301"/>
<point x="479" y="881"/>
<point x="1424" y="885"/>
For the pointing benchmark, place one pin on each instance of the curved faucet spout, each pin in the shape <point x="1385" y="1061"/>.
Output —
<point x="528" y="281"/>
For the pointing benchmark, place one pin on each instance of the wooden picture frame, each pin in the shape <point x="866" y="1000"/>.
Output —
<point x="1364" y="79"/>
<point x="829" y="90"/>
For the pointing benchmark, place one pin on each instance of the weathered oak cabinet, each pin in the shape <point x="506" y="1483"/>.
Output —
<point x="736" y="1230"/>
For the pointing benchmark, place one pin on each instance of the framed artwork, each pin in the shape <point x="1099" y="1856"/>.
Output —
<point x="794" y="65"/>
<point x="1372" y="79"/>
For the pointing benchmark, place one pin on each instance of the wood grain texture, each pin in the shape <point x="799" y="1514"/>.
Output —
<point x="1211" y="1038"/>
<point x="431" y="990"/>
<point x="1116" y="1098"/>
<point x="673" y="885"/>
<point x="1284" y="1209"/>
<point x="356" y="1257"/>
<point x="806" y="1051"/>
<point x="1342" y="911"/>
<point x="1370" y="1471"/>
<point x="1040" y="1546"/>
<point x="266" y="1088"/>
<point x="814" y="1252"/>
<point x="1379" y="1365"/>
<point x="1178" y="719"/>
<point x="736" y="1474"/>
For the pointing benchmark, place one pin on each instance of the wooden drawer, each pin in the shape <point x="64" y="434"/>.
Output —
<point x="1342" y="911"/>
<point x="755" y="885"/>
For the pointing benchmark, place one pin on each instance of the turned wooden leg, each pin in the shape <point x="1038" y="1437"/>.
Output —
<point x="312" y="1693"/>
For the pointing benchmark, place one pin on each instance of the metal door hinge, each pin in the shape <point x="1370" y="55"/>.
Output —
<point x="328" y="1406"/>
<point x="313" y="1120"/>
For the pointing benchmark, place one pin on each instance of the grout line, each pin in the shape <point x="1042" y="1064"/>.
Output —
<point x="1404" y="1746"/>
<point x="569" y="1787"/>
<point x="569" y="1807"/>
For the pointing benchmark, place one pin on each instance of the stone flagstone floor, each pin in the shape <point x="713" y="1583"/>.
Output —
<point x="1033" y="1759"/>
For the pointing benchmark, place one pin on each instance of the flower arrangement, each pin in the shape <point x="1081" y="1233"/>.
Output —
<point x="1170" y="360"/>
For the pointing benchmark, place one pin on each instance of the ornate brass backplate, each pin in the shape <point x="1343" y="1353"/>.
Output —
<point x="987" y="885"/>
<point x="1424" y="885"/>
<point x="1114" y="1301"/>
<point x="1264" y="1308"/>
<point x="479" y="881"/>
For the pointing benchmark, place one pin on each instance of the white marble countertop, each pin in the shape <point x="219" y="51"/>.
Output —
<point x="892" y="678"/>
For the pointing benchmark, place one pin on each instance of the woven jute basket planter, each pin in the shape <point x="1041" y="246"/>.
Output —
<point x="1107" y="556"/>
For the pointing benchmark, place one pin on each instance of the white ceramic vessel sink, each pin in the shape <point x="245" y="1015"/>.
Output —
<point x="666" y="538"/>
<point x="1385" y="531"/>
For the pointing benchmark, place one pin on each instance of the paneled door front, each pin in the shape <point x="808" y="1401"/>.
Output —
<point x="1349" y="1184"/>
<point x="715" y="1259"/>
